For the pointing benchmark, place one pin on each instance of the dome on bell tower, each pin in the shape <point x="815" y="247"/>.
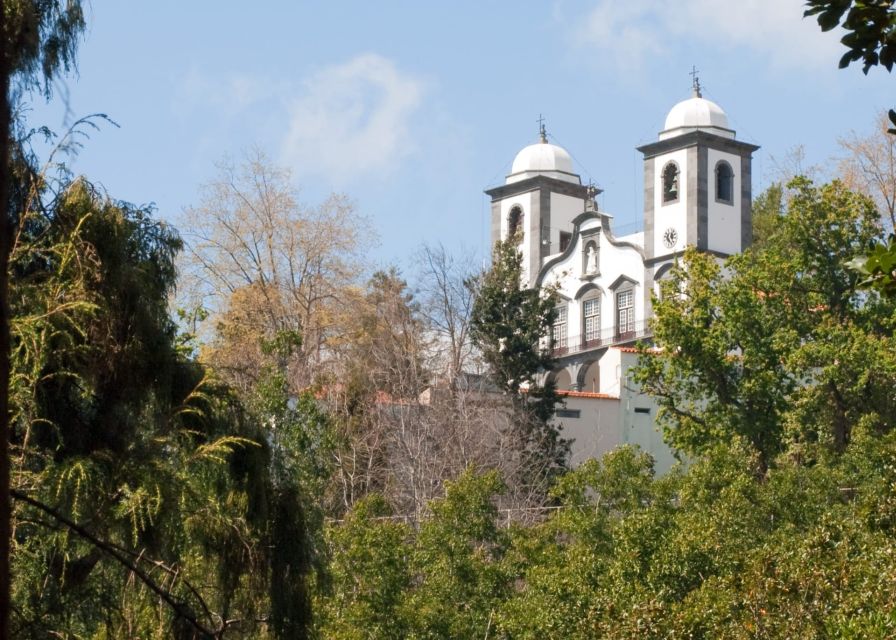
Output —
<point x="543" y="159"/>
<point x="696" y="114"/>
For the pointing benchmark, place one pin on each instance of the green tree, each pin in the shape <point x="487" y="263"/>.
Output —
<point x="511" y="328"/>
<point x="37" y="41"/>
<point x="870" y="37"/>
<point x="369" y="575"/>
<point x="775" y="347"/>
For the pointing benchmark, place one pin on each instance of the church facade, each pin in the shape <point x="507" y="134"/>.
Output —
<point x="697" y="192"/>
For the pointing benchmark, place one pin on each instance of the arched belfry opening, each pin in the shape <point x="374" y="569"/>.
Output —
<point x="515" y="222"/>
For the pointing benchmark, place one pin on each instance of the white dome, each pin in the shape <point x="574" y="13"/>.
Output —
<point x="542" y="158"/>
<point x="696" y="113"/>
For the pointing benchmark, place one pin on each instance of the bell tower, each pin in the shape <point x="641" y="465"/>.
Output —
<point x="697" y="186"/>
<point x="537" y="203"/>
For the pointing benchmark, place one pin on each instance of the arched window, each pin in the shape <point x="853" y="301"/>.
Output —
<point x="591" y="259"/>
<point x="724" y="183"/>
<point x="514" y="222"/>
<point x="671" y="182"/>
<point x="591" y="320"/>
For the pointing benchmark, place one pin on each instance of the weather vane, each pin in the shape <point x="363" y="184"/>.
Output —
<point x="695" y="82"/>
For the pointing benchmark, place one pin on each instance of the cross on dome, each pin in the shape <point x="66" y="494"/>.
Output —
<point x="542" y="132"/>
<point x="695" y="82"/>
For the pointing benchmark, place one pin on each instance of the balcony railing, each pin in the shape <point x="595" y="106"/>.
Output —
<point x="607" y="337"/>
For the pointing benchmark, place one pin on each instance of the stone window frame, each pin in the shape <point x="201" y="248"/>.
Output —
<point x="664" y="189"/>
<point x="721" y="164"/>
<point x="629" y="327"/>
<point x="591" y="297"/>
<point x="560" y="327"/>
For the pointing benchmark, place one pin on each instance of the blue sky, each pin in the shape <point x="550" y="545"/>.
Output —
<point x="413" y="109"/>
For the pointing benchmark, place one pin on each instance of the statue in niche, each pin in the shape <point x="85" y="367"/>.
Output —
<point x="591" y="260"/>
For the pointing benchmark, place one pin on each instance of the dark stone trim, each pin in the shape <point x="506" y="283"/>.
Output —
<point x="582" y="217"/>
<point x="621" y="281"/>
<point x="672" y="256"/>
<point x="585" y="288"/>
<point x="649" y="214"/>
<point x="621" y="243"/>
<point x="496" y="221"/>
<point x="746" y="202"/>
<point x="702" y="197"/>
<point x="539" y="182"/>
<point x="566" y="173"/>
<point x="659" y="273"/>
<point x="573" y="243"/>
<point x="721" y="143"/>
<point x="544" y="237"/>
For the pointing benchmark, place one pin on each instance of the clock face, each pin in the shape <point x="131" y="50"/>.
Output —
<point x="670" y="237"/>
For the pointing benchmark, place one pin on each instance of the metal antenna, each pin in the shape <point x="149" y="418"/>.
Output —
<point x="542" y="132"/>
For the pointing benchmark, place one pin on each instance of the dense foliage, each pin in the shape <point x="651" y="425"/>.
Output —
<point x="138" y="476"/>
<point x="709" y="553"/>
<point x="777" y="346"/>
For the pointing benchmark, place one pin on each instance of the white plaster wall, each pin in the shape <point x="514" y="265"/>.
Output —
<point x="671" y="215"/>
<point x="563" y="209"/>
<point x="595" y="432"/>
<point x="723" y="229"/>
<point x="610" y="371"/>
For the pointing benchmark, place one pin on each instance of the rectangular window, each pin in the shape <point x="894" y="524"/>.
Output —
<point x="625" y="312"/>
<point x="591" y="313"/>
<point x="559" y="329"/>
<point x="642" y="410"/>
<point x="568" y="413"/>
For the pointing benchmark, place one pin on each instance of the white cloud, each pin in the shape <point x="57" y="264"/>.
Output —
<point x="629" y="32"/>
<point x="225" y="95"/>
<point x="354" y="118"/>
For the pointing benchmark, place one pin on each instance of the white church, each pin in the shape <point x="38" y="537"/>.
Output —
<point x="697" y="192"/>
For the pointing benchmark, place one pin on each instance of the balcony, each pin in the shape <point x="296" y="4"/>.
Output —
<point x="607" y="338"/>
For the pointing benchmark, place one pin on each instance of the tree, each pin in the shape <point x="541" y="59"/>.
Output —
<point x="38" y="40"/>
<point x="511" y="327"/>
<point x="265" y="263"/>
<point x="870" y="37"/>
<point x="775" y="347"/>
<point x="768" y="208"/>
<point x="447" y="306"/>
<point x="869" y="167"/>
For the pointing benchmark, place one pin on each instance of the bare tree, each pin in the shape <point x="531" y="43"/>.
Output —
<point x="446" y="304"/>
<point x="256" y="253"/>
<point x="869" y="167"/>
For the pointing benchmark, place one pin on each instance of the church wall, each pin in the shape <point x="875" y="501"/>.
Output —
<point x="614" y="262"/>
<point x="674" y="214"/>
<point x="563" y="209"/>
<point x="610" y="372"/>
<point x="596" y="429"/>
<point x="724" y="232"/>
<point x="638" y="418"/>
